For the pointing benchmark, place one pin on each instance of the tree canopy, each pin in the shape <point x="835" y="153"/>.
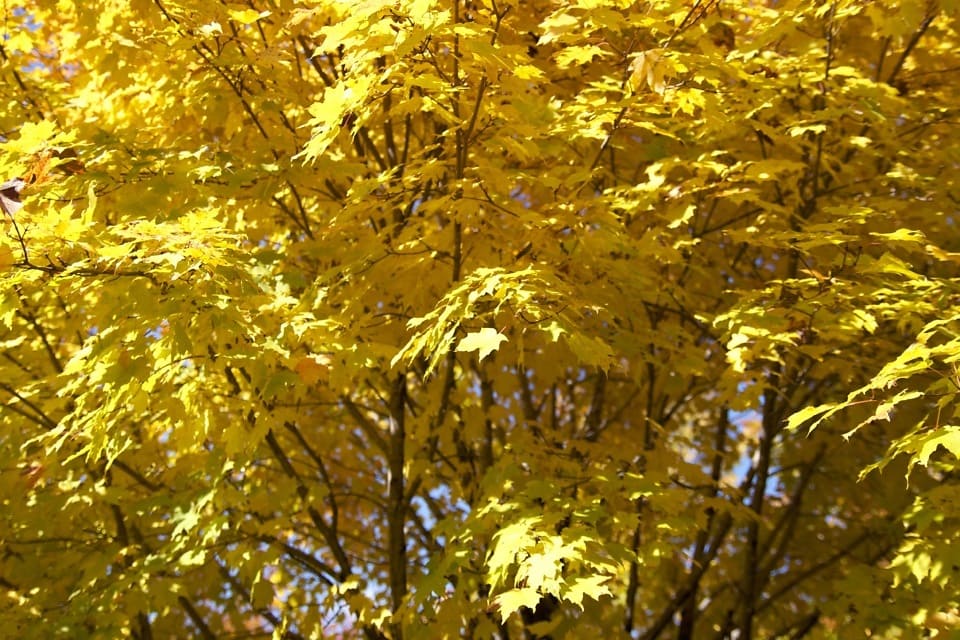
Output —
<point x="480" y="319"/>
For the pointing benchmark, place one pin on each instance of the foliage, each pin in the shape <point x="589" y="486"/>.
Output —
<point x="476" y="318"/>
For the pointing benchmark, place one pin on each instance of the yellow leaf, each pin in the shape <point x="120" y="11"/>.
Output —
<point x="486" y="341"/>
<point x="570" y="56"/>
<point x="7" y="256"/>
<point x="948" y="437"/>
<point x="33" y="136"/>
<point x="20" y="41"/>
<point x="193" y="557"/>
<point x="648" y="70"/>
<point x="247" y="16"/>
<point x="511" y="601"/>
<point x="800" y="130"/>
<point x="589" y="586"/>
<point x="527" y="72"/>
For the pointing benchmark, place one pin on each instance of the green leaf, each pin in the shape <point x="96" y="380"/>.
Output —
<point x="261" y="593"/>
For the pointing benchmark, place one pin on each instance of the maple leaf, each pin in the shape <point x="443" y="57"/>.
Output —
<point x="486" y="341"/>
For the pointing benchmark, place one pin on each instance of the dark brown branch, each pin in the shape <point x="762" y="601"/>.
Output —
<point x="365" y="424"/>
<point x="311" y="452"/>
<point x="397" y="500"/>
<point x="31" y="318"/>
<point x="689" y="613"/>
<point x="328" y="533"/>
<point x="196" y="618"/>
<point x="138" y="477"/>
<point x="266" y="614"/>
<point x="724" y="524"/>
<point x="327" y="574"/>
<point x="593" y="421"/>
<point x="787" y="522"/>
<point x="20" y="83"/>
<point x="800" y="577"/>
<point x="914" y="40"/>
<point x="40" y="418"/>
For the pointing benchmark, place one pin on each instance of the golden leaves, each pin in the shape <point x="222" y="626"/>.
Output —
<point x="649" y="70"/>
<point x="660" y="229"/>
